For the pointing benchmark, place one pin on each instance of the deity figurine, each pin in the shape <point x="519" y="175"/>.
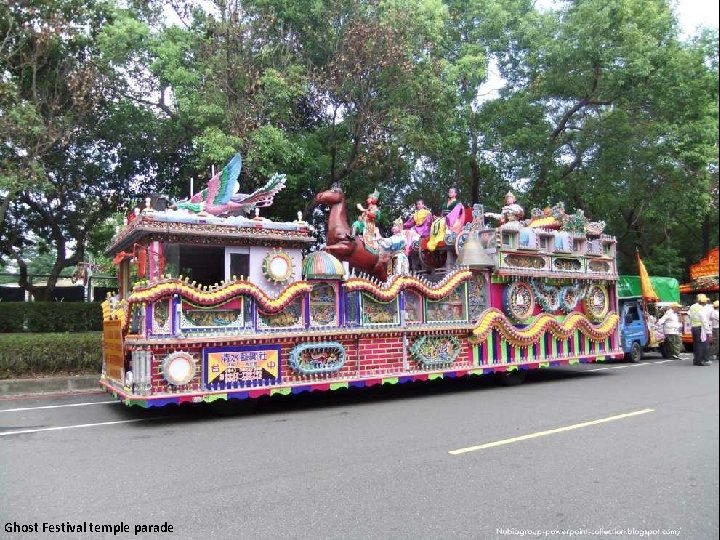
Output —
<point x="396" y="245"/>
<point x="511" y="213"/>
<point x="418" y="225"/>
<point x="452" y="218"/>
<point x="365" y="224"/>
<point x="453" y="211"/>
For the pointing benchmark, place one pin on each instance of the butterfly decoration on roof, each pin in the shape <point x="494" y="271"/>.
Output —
<point x="219" y="198"/>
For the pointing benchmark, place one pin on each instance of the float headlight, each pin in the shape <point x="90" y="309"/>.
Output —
<point x="179" y="368"/>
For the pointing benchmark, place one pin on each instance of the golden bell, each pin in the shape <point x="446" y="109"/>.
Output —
<point x="473" y="255"/>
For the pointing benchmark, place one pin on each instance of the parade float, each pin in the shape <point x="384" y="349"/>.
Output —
<point x="703" y="279"/>
<point x="216" y="302"/>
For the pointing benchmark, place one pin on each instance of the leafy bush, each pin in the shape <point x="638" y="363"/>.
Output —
<point x="50" y="317"/>
<point x="12" y="316"/>
<point x="32" y="354"/>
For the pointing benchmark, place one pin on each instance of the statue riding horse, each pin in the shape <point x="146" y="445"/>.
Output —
<point x="342" y="244"/>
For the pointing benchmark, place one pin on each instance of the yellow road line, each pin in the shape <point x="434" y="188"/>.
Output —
<point x="548" y="432"/>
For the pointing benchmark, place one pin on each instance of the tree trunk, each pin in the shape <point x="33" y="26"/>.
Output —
<point x="4" y="206"/>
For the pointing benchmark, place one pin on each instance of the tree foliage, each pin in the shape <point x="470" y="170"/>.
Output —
<point x="603" y="107"/>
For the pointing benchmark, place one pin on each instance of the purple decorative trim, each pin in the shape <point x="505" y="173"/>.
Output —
<point x="340" y="302"/>
<point x="148" y="319"/>
<point x="306" y="308"/>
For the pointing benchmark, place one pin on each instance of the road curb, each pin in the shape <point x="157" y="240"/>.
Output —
<point x="50" y="385"/>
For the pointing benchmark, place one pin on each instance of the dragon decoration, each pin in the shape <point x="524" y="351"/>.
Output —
<point x="495" y="319"/>
<point x="205" y="296"/>
<point x="144" y="293"/>
<point x="395" y="284"/>
<point x="219" y="198"/>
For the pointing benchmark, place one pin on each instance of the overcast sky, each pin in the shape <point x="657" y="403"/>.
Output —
<point x="694" y="13"/>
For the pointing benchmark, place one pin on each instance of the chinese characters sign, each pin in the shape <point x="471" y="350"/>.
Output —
<point x="241" y="366"/>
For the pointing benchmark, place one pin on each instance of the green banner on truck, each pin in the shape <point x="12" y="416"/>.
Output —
<point x="667" y="288"/>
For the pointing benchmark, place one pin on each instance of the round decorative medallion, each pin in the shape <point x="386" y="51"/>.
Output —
<point x="519" y="301"/>
<point x="277" y="266"/>
<point x="312" y="358"/>
<point x="597" y="302"/>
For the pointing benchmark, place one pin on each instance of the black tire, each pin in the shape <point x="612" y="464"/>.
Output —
<point x="511" y="378"/>
<point x="665" y="350"/>
<point x="635" y="354"/>
<point x="688" y="347"/>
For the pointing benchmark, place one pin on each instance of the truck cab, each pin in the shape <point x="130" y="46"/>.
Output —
<point x="634" y="334"/>
<point x="637" y="333"/>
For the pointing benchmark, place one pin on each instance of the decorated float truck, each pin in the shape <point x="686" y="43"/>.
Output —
<point x="214" y="306"/>
<point x="703" y="279"/>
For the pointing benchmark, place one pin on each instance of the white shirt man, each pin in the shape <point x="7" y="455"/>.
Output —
<point x="701" y="329"/>
<point x="670" y="322"/>
<point x="672" y="328"/>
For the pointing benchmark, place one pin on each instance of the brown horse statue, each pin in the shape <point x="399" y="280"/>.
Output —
<point x="342" y="244"/>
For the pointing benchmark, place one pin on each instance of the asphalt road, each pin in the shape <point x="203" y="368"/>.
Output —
<point x="590" y="451"/>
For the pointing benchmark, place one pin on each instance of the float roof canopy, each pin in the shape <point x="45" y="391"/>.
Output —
<point x="212" y="232"/>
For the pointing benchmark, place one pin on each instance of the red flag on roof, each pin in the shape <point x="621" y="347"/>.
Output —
<point x="646" y="288"/>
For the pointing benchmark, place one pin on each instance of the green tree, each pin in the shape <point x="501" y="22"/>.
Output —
<point x="607" y="110"/>
<point x="49" y="83"/>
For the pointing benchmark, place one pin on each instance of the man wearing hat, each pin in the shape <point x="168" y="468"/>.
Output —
<point x="701" y="331"/>
<point x="714" y="324"/>
<point x="672" y="327"/>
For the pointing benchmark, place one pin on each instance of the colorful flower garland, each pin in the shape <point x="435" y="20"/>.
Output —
<point x="548" y="296"/>
<point x="212" y="296"/>
<point x="496" y="319"/>
<point x="390" y="290"/>
<point x="570" y="296"/>
<point x="222" y="294"/>
<point x="114" y="309"/>
<point x="552" y="298"/>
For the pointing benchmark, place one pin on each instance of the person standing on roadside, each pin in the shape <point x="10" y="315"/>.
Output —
<point x="671" y="327"/>
<point x="701" y="330"/>
<point x="714" y="324"/>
